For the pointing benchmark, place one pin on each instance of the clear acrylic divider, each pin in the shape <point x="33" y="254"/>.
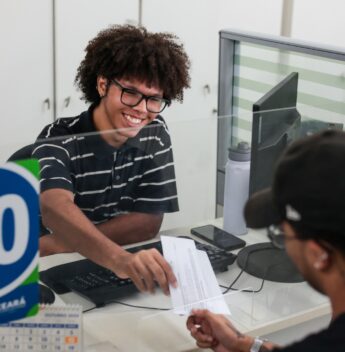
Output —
<point x="281" y="301"/>
<point x="198" y="167"/>
<point x="167" y="331"/>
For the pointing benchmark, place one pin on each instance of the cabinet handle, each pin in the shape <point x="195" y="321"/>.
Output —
<point x="46" y="102"/>
<point x="207" y="89"/>
<point x="66" y="102"/>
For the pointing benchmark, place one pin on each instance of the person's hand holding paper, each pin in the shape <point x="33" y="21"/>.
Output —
<point x="197" y="284"/>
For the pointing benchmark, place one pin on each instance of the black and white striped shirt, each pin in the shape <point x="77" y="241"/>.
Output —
<point x="106" y="181"/>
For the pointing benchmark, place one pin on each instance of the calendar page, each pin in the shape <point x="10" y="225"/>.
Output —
<point x="19" y="232"/>
<point x="52" y="329"/>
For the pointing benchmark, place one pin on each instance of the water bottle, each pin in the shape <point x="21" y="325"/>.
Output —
<point x="236" y="188"/>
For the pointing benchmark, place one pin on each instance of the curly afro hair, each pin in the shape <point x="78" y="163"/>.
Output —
<point x="134" y="53"/>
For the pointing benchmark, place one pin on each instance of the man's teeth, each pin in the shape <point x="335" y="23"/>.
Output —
<point x="132" y="119"/>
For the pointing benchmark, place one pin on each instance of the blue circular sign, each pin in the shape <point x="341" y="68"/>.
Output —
<point x="17" y="186"/>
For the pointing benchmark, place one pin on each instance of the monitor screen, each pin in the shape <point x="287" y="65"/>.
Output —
<point x="276" y="123"/>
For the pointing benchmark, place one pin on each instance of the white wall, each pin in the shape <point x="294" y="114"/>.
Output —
<point x="321" y="21"/>
<point x="263" y="16"/>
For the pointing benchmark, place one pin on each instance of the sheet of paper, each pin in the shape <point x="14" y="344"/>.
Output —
<point x="197" y="284"/>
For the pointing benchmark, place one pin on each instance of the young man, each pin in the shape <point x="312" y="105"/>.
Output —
<point x="105" y="179"/>
<point x="307" y="203"/>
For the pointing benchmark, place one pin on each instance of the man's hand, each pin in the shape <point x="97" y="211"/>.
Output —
<point x="145" y="268"/>
<point x="215" y="331"/>
<point x="76" y="233"/>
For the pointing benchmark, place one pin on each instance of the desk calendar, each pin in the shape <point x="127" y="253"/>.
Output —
<point x="52" y="329"/>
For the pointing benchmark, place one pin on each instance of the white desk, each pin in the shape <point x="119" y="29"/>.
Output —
<point x="120" y="328"/>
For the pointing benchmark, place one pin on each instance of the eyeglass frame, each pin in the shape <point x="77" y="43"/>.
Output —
<point x="166" y="102"/>
<point x="274" y="233"/>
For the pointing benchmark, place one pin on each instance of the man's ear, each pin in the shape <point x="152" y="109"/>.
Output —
<point x="317" y="255"/>
<point x="102" y="86"/>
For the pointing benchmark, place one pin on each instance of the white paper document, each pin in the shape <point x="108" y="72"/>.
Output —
<point x="197" y="284"/>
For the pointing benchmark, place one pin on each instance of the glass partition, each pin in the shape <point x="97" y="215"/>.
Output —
<point x="160" y="168"/>
<point x="141" y="178"/>
<point x="251" y="65"/>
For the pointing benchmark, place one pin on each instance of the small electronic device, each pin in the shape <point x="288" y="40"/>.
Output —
<point x="218" y="237"/>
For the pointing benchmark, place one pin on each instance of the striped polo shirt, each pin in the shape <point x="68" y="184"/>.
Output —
<point x="106" y="181"/>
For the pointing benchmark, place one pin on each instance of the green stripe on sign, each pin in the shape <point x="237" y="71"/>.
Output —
<point x="32" y="278"/>
<point x="33" y="311"/>
<point x="31" y="165"/>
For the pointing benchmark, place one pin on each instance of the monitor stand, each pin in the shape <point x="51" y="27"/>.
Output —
<point x="264" y="261"/>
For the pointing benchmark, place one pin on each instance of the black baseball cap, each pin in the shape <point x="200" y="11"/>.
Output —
<point x="308" y="187"/>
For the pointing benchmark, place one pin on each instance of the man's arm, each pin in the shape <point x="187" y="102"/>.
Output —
<point x="132" y="227"/>
<point x="75" y="232"/>
<point x="124" y="229"/>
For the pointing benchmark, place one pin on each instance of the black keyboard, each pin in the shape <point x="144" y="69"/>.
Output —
<point x="102" y="286"/>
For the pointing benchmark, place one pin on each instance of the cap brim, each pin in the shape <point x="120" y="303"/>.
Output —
<point x="260" y="211"/>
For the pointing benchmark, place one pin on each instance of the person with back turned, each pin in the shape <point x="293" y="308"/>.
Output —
<point x="306" y="205"/>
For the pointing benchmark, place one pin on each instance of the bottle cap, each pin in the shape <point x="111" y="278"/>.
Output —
<point x="240" y="153"/>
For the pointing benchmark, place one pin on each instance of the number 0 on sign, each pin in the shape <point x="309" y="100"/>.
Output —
<point x="19" y="232"/>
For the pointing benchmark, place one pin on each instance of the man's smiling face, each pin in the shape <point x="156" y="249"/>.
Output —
<point x="114" y="115"/>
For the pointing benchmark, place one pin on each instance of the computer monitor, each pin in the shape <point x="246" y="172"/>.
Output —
<point x="276" y="123"/>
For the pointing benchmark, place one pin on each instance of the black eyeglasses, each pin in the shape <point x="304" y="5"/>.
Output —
<point x="132" y="98"/>
<point x="277" y="237"/>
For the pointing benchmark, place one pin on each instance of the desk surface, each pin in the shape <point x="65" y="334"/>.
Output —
<point x="121" y="328"/>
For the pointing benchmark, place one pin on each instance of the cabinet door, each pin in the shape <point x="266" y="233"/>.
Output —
<point x="77" y="22"/>
<point x="25" y="71"/>
<point x="191" y="125"/>
<point x="194" y="132"/>
<point x="195" y="23"/>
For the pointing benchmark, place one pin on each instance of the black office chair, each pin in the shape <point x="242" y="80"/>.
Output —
<point x="22" y="153"/>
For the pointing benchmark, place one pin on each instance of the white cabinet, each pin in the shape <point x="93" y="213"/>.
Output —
<point x="192" y="128"/>
<point x="37" y="69"/>
<point x="195" y="23"/>
<point x="26" y="86"/>
<point x="77" y="22"/>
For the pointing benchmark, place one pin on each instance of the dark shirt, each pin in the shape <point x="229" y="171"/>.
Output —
<point x="330" y="339"/>
<point x="106" y="181"/>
